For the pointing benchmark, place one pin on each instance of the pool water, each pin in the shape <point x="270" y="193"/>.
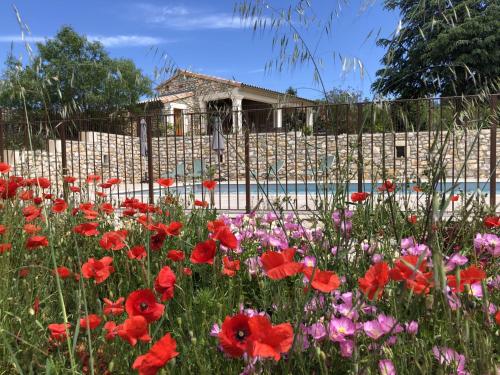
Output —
<point x="273" y="188"/>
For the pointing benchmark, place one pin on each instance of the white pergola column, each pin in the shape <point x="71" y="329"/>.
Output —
<point x="203" y="117"/>
<point x="279" y="117"/>
<point x="309" y="118"/>
<point x="237" y="114"/>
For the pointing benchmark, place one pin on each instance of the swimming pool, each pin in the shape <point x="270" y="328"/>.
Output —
<point x="301" y="188"/>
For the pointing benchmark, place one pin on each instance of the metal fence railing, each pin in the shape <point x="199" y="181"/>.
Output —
<point x="294" y="163"/>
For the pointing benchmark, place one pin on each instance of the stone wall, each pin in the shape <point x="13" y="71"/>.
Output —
<point x="119" y="156"/>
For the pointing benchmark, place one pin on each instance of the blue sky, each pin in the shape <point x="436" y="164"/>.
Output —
<point x="205" y="37"/>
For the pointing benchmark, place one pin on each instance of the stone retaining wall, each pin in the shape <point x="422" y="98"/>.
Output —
<point x="119" y="156"/>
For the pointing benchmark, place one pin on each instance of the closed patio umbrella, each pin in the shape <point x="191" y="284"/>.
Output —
<point x="143" y="139"/>
<point x="218" y="142"/>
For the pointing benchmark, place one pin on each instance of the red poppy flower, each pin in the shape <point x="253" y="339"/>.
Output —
<point x="23" y="272"/>
<point x="268" y="341"/>
<point x="37" y="200"/>
<point x="143" y="302"/>
<point x="324" y="281"/>
<point x="42" y="182"/>
<point x="388" y="186"/>
<point x="468" y="276"/>
<point x="165" y="182"/>
<point x="59" y="205"/>
<point x="36" y="241"/>
<point x="279" y="265"/>
<point x="58" y="331"/>
<point x="173" y="229"/>
<point x="359" y="196"/>
<point x="3" y="229"/>
<point x="454" y="198"/>
<point x="30" y="213"/>
<point x="111" y="330"/>
<point x="4" y="168"/>
<point x="63" y="272"/>
<point x="107" y="208"/>
<point x="187" y="271"/>
<point x="113" y="240"/>
<point x="230" y="266"/>
<point x="87" y="229"/>
<point x="234" y="334"/>
<point x="226" y="237"/>
<point x="156" y="241"/>
<point x="133" y="329"/>
<point x="91" y="321"/>
<point x="4" y="247"/>
<point x="113" y="181"/>
<point x="105" y="185"/>
<point x="101" y="194"/>
<point x="417" y="189"/>
<point x="165" y="283"/>
<point x="69" y="179"/>
<point x="210" y="184"/>
<point x="497" y="317"/>
<point x="8" y="189"/>
<point x="199" y="203"/>
<point x="212" y="226"/>
<point x="26" y="195"/>
<point x="137" y="252"/>
<point x="412" y="219"/>
<point x="92" y="178"/>
<point x="492" y="221"/>
<point x="99" y="270"/>
<point x="175" y="255"/>
<point x="374" y="281"/>
<point x="204" y="252"/>
<point x="75" y="189"/>
<point x="417" y="279"/>
<point x="113" y="308"/>
<point x="160" y="353"/>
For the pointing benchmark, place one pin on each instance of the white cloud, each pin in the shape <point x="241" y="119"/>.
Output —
<point x="127" y="40"/>
<point x="182" y="18"/>
<point x="107" y="41"/>
<point x="21" y="39"/>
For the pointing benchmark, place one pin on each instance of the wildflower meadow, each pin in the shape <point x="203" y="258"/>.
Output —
<point x="359" y="287"/>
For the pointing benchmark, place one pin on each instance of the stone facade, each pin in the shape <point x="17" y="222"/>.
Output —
<point x="401" y="154"/>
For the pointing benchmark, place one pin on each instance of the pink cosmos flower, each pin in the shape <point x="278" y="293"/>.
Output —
<point x="339" y="328"/>
<point x="346" y="348"/>
<point x="450" y="358"/>
<point x="386" y="367"/>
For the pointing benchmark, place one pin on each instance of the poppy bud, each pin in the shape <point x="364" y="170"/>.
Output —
<point x="429" y="301"/>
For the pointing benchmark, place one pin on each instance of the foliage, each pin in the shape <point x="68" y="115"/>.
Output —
<point x="72" y="74"/>
<point x="442" y="48"/>
<point x="242" y="267"/>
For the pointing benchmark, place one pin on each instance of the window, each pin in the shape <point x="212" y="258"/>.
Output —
<point x="105" y="159"/>
<point x="401" y="151"/>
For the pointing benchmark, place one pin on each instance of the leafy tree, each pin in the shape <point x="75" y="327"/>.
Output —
<point x="444" y="47"/>
<point x="72" y="74"/>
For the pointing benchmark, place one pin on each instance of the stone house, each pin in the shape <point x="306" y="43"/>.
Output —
<point x="190" y="101"/>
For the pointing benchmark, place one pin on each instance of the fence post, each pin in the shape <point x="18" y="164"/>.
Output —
<point x="1" y="137"/>
<point x="150" y="159"/>
<point x="493" y="153"/>
<point x="64" y="159"/>
<point x="247" y="170"/>
<point x="360" y="147"/>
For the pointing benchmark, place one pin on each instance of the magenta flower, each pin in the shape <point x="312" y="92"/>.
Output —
<point x="386" y="367"/>
<point x="346" y="348"/>
<point x="317" y="331"/>
<point x="411" y="327"/>
<point x="406" y="243"/>
<point x="309" y="261"/>
<point x="450" y="358"/>
<point x="454" y="261"/>
<point x="487" y="242"/>
<point x="339" y="328"/>
<point x="373" y="329"/>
